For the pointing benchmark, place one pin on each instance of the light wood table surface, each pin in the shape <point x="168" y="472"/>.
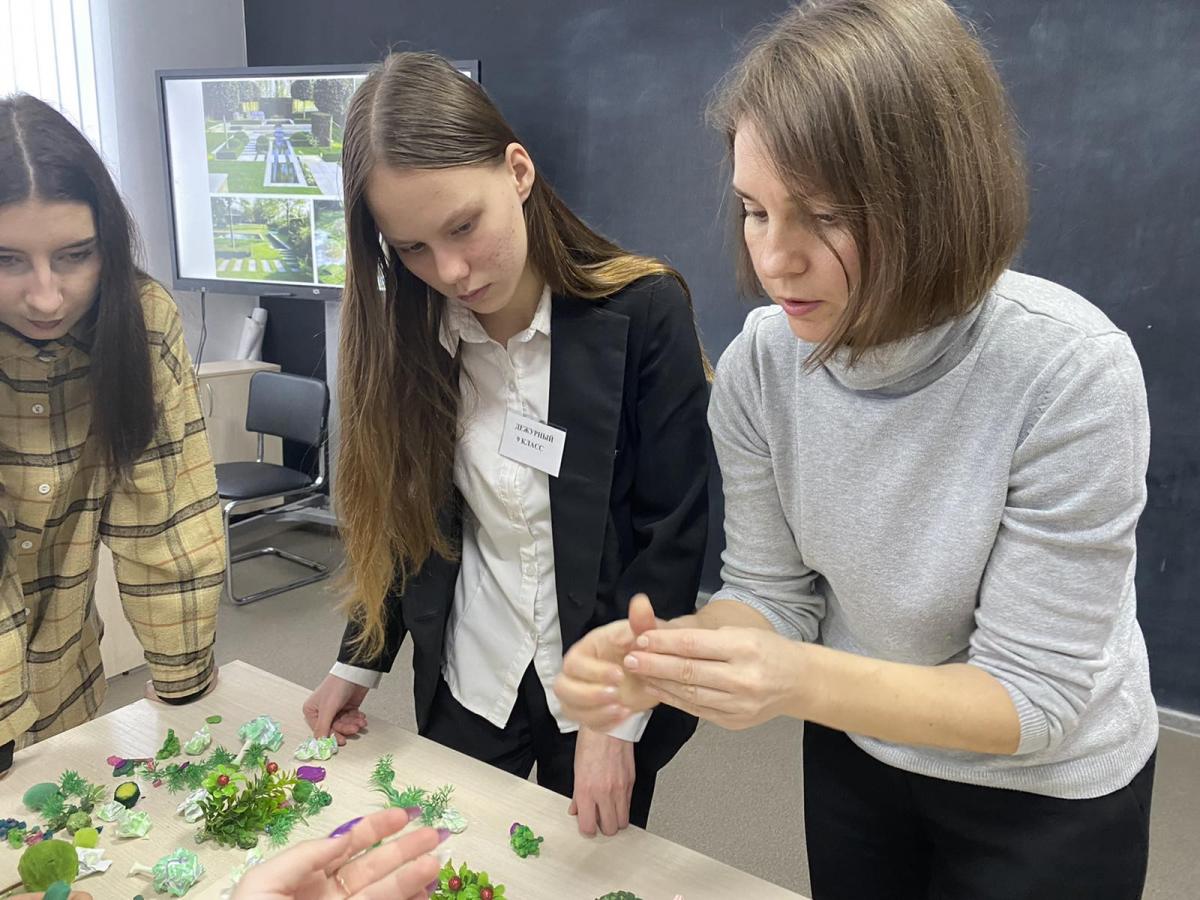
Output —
<point x="571" y="867"/>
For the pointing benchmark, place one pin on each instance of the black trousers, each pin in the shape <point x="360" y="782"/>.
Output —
<point x="530" y="736"/>
<point x="875" y="831"/>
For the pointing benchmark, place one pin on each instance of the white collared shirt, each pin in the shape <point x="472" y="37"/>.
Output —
<point x="505" y="611"/>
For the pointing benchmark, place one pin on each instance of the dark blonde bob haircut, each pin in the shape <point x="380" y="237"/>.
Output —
<point x="891" y="112"/>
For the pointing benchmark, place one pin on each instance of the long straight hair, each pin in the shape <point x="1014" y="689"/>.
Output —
<point x="399" y="387"/>
<point x="44" y="157"/>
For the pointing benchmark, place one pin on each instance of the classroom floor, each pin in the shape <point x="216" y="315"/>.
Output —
<point x="712" y="798"/>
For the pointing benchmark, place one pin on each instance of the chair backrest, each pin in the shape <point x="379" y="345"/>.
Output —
<point x="289" y="406"/>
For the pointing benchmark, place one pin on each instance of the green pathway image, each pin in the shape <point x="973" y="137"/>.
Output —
<point x="276" y="135"/>
<point x="262" y="239"/>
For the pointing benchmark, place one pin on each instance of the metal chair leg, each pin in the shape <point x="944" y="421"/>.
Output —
<point x="322" y="571"/>
<point x="226" y="511"/>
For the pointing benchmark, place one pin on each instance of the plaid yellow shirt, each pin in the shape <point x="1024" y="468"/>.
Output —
<point x="163" y="527"/>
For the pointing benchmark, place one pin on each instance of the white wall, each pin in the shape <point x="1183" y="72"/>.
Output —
<point x="132" y="39"/>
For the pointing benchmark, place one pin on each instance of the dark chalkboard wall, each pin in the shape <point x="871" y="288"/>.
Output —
<point x="609" y="97"/>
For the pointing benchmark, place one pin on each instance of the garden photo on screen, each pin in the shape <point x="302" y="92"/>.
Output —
<point x="329" y="240"/>
<point x="263" y="239"/>
<point x="273" y="154"/>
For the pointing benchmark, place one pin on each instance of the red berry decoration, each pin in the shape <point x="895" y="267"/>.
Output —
<point x="222" y="780"/>
<point x="455" y="884"/>
<point x="272" y="768"/>
<point x="486" y="893"/>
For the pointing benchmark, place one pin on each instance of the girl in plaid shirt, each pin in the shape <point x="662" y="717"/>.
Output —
<point x="101" y="438"/>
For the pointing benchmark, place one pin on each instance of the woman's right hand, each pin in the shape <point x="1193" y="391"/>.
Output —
<point x="338" y="868"/>
<point x="334" y="708"/>
<point x="593" y="686"/>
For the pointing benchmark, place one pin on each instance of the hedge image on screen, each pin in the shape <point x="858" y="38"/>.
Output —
<point x="254" y="159"/>
<point x="272" y="167"/>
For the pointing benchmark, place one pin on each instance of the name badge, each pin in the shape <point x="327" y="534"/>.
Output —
<point x="533" y="443"/>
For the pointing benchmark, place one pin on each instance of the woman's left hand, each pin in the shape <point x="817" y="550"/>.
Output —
<point x="735" y="677"/>
<point x="604" y="777"/>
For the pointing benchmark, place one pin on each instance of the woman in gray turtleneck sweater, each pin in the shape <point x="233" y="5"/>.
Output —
<point x="933" y="472"/>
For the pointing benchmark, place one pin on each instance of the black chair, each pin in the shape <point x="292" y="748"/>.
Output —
<point x="296" y="409"/>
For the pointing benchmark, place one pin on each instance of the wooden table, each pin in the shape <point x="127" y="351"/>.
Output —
<point x="571" y="867"/>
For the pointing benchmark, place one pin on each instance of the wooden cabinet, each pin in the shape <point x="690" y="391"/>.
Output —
<point x="224" y="393"/>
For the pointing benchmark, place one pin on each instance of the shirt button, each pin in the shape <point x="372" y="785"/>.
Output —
<point x="38" y="408"/>
<point x="43" y="488"/>
<point x="26" y="545"/>
<point x="46" y="357"/>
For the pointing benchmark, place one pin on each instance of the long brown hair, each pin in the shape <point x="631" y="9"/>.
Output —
<point x="398" y="386"/>
<point x="892" y="110"/>
<point x="44" y="157"/>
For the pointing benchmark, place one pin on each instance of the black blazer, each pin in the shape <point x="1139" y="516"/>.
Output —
<point x="629" y="507"/>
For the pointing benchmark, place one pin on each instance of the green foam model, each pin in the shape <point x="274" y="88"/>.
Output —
<point x="77" y="821"/>
<point x="35" y="798"/>
<point x="47" y="862"/>
<point x="127" y="794"/>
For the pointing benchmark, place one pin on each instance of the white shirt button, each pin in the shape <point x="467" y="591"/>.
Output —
<point x="38" y="408"/>
<point x="43" y="488"/>
<point x="46" y="357"/>
<point x="26" y="545"/>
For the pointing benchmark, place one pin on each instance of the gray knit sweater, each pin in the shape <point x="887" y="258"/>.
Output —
<point x="970" y="494"/>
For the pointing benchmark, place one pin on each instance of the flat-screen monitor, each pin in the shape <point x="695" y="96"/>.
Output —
<point x="254" y="171"/>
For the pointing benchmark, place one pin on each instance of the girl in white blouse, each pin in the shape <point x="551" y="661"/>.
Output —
<point x="524" y="442"/>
